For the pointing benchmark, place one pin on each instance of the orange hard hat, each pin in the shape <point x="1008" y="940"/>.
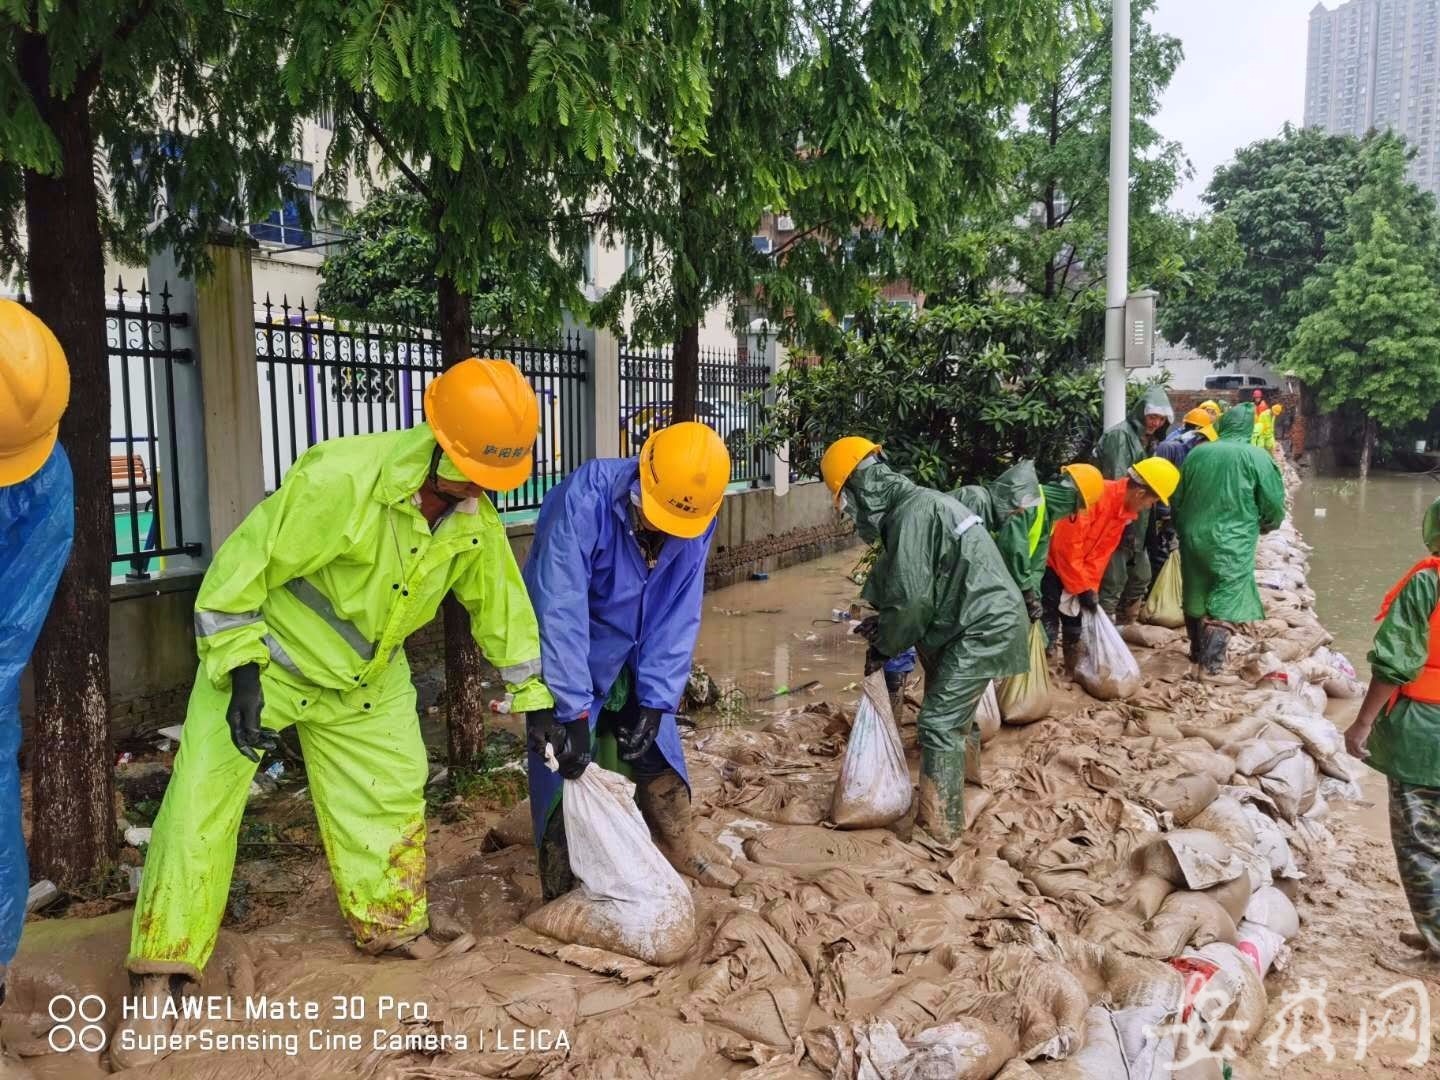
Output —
<point x="1088" y="481"/>
<point x="34" y="390"/>
<point x="1200" y="418"/>
<point x="841" y="459"/>
<point x="485" y="417"/>
<point x="684" y="470"/>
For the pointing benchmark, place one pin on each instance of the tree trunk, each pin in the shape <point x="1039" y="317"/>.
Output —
<point x="687" y="372"/>
<point x="74" y="816"/>
<point x="464" y="697"/>
<point x="1367" y="446"/>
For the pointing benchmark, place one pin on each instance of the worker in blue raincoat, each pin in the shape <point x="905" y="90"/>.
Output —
<point x="37" y="523"/>
<point x="616" y="576"/>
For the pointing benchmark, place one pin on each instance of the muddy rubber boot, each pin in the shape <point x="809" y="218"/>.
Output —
<point x="1195" y="631"/>
<point x="1213" y="643"/>
<point x="941" y="810"/>
<point x="150" y="994"/>
<point x="664" y="802"/>
<point x="556" y="877"/>
<point x="1413" y="939"/>
<point x="1128" y="613"/>
<point x="1071" y="653"/>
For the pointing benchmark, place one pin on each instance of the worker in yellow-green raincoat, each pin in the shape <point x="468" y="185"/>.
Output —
<point x="302" y="619"/>
<point x="1398" y="732"/>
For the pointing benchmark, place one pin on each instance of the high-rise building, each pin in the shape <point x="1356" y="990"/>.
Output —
<point x="1373" y="65"/>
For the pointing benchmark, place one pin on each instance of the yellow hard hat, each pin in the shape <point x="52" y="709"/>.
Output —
<point x="34" y="390"/>
<point x="1088" y="482"/>
<point x="840" y="459"/>
<point x="1213" y="408"/>
<point x="485" y="417"/>
<point x="1277" y="409"/>
<point x="1201" y="418"/>
<point x="684" y="470"/>
<point x="1159" y="475"/>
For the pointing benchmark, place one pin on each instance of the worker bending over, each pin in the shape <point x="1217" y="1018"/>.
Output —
<point x="616" y="575"/>
<point x="938" y="583"/>
<point x="302" y="619"/>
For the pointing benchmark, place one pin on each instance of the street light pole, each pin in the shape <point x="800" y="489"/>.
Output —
<point x="1117" y="262"/>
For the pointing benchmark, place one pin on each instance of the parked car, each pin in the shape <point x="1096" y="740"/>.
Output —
<point x="1241" y="382"/>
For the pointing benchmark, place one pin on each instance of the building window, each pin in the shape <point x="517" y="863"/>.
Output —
<point x="634" y="260"/>
<point x="289" y="226"/>
<point x="587" y="262"/>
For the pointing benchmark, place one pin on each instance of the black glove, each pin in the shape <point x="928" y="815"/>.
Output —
<point x="570" y="743"/>
<point x="1089" y="600"/>
<point x="874" y="661"/>
<point x="637" y="737"/>
<point x="1033" y="607"/>
<point x="869" y="627"/>
<point x="243" y="715"/>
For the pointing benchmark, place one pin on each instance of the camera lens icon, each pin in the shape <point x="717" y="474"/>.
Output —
<point x="77" y="1023"/>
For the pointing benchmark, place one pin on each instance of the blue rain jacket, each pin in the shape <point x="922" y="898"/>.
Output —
<point x="601" y="610"/>
<point x="37" y="523"/>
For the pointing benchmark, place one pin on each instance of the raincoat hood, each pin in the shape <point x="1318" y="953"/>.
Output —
<point x="1237" y="424"/>
<point x="1431" y="529"/>
<point x="874" y="491"/>
<point x="1155" y="401"/>
<point x="1016" y="489"/>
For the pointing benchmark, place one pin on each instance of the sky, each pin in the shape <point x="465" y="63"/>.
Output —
<point x="1243" y="77"/>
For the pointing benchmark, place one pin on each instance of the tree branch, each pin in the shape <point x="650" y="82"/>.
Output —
<point x="89" y="76"/>
<point x="373" y="130"/>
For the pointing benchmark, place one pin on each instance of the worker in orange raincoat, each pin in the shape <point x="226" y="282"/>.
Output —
<point x="1082" y="545"/>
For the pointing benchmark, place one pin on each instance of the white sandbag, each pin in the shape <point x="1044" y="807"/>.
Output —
<point x="873" y="788"/>
<point x="1273" y="910"/>
<point x="1025" y="698"/>
<point x="1261" y="945"/>
<point x="987" y="715"/>
<point x="628" y="898"/>
<point x="1271" y="842"/>
<point x="1293" y="783"/>
<point x="1343" y="687"/>
<point x="1316" y="733"/>
<point x="1147" y="636"/>
<point x="1235" y="992"/>
<point x="1254" y="757"/>
<point x="1106" y="668"/>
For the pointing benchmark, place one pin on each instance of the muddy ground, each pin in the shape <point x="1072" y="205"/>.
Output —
<point x="826" y="933"/>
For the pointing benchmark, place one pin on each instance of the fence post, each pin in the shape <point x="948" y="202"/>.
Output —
<point x="605" y="394"/>
<point x="183" y="491"/>
<point x="225" y="333"/>
<point x="774" y="356"/>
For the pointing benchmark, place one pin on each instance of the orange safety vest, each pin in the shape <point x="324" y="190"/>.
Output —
<point x="1426" y="686"/>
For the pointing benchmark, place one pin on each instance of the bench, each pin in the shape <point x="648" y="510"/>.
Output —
<point x="123" y="469"/>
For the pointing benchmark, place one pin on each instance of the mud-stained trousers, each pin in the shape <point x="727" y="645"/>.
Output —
<point x="949" y="742"/>
<point x="366" y="767"/>
<point x="1415" y="835"/>
<point x="1127" y="578"/>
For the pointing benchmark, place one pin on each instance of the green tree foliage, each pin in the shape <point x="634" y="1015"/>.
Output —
<point x="127" y="125"/>
<point x="955" y="393"/>
<point x="1286" y="199"/>
<point x="1371" y="339"/>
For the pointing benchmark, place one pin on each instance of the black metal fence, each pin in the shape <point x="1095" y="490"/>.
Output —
<point x="321" y="378"/>
<point x="731" y="400"/>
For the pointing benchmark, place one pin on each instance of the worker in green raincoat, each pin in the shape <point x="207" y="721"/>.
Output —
<point x="301" y="620"/>
<point x="1127" y="578"/>
<point x="1020" y="514"/>
<point x="1230" y="492"/>
<point x="938" y="584"/>
<point x="1397" y="731"/>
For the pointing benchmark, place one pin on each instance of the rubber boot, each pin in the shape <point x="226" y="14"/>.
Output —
<point x="150" y="994"/>
<point x="1213" y="643"/>
<point x="895" y="683"/>
<point x="941" y="810"/>
<point x="1128" y="613"/>
<point x="664" y="802"/>
<point x="1195" y="630"/>
<point x="1071" y="651"/>
<point x="556" y="877"/>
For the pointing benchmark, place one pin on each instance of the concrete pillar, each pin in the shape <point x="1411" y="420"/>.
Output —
<point x="225" y="335"/>
<point x="764" y="349"/>
<point x="605" y="393"/>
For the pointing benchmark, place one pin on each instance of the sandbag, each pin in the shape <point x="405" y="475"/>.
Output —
<point x="1226" y="818"/>
<point x="987" y="715"/>
<point x="1273" y="910"/>
<point x="1260" y="944"/>
<point x="1106" y="669"/>
<point x="1212" y="763"/>
<point x="1182" y="797"/>
<point x="1292" y="783"/>
<point x="1255" y="757"/>
<point x="1147" y="893"/>
<point x="1100" y="1058"/>
<point x="1247" y="1009"/>
<point x="1146" y="636"/>
<point x="1025" y="698"/>
<point x="1165" y="604"/>
<point x="1271" y="842"/>
<point x="1343" y="687"/>
<point x="1191" y="858"/>
<point x="1316" y="733"/>
<point x="873" y="788"/>
<point x="1209" y="921"/>
<point x="628" y="898"/>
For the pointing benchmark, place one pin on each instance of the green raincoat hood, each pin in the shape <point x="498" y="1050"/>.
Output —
<point x="1237" y="424"/>
<point x="874" y="490"/>
<point x="1431" y="528"/>
<point x="1154" y="400"/>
